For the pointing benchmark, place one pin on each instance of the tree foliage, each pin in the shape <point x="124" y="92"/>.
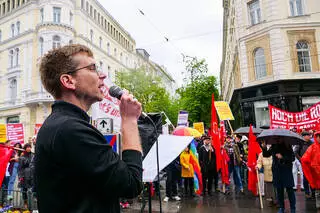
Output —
<point x="149" y="91"/>
<point x="195" y="97"/>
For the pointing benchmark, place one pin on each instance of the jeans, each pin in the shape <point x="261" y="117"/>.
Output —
<point x="13" y="177"/>
<point x="307" y="187"/>
<point x="171" y="183"/>
<point x="236" y="175"/>
<point x="291" y="196"/>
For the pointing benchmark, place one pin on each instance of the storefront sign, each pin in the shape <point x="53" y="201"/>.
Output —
<point x="306" y="119"/>
<point x="223" y="110"/>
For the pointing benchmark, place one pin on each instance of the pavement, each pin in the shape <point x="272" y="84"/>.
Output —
<point x="221" y="203"/>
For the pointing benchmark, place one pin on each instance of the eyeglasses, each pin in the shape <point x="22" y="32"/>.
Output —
<point x="92" y="67"/>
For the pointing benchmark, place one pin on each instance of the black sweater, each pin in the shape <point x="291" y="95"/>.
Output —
<point x="76" y="171"/>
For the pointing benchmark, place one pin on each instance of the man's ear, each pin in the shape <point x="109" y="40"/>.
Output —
<point x="68" y="82"/>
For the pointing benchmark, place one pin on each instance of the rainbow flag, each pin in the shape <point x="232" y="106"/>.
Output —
<point x="196" y="167"/>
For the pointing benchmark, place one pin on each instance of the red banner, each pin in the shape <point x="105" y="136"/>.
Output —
<point x="37" y="128"/>
<point x="15" y="133"/>
<point x="306" y="119"/>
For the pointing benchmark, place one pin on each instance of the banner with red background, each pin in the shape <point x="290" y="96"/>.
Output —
<point x="306" y="119"/>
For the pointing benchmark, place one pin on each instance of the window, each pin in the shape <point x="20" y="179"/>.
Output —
<point x="82" y="4"/>
<point x="99" y="18"/>
<point x="41" y="15"/>
<point x="101" y="66"/>
<point x="8" y="4"/>
<point x="0" y="35"/>
<point x="296" y="8"/>
<point x="304" y="60"/>
<point x="3" y="8"/>
<point x="13" y="119"/>
<point x="70" y="42"/>
<point x="13" y="4"/>
<point x="95" y="14"/>
<point x="18" y="27"/>
<point x="56" y="42"/>
<point x="11" y="55"/>
<point x="13" y="89"/>
<point x="41" y="42"/>
<point x="255" y="12"/>
<point x="90" y="10"/>
<point x="260" y="63"/>
<point x="115" y="52"/>
<point x="18" y="3"/>
<point x="109" y="72"/>
<point x="12" y="30"/>
<point x="108" y="48"/>
<point x="71" y="18"/>
<point x="100" y="42"/>
<point x="87" y="6"/>
<point x="17" y="57"/>
<point x="121" y="57"/>
<point x="91" y="35"/>
<point x="56" y="14"/>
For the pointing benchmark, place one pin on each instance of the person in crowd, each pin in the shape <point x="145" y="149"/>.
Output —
<point x="264" y="166"/>
<point x="13" y="169"/>
<point x="282" y="158"/>
<point x="187" y="172"/>
<point x="242" y="142"/>
<point x="173" y="171"/>
<point x="299" y="150"/>
<point x="76" y="170"/>
<point x="311" y="166"/>
<point x="297" y="172"/>
<point x="208" y="164"/>
<point x="235" y="162"/>
<point x="5" y="181"/>
<point x="25" y="174"/>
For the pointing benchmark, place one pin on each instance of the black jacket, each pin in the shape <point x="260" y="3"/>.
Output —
<point x="207" y="163"/>
<point x="76" y="171"/>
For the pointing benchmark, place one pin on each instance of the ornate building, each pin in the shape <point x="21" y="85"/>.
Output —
<point x="270" y="56"/>
<point x="30" y="28"/>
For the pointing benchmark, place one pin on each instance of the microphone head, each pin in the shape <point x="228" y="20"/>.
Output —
<point x="115" y="92"/>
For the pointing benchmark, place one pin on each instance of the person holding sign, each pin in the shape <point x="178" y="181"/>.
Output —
<point x="76" y="171"/>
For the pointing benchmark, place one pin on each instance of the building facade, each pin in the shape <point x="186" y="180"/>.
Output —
<point x="270" y="56"/>
<point x="30" y="28"/>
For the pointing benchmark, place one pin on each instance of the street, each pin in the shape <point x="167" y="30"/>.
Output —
<point x="224" y="204"/>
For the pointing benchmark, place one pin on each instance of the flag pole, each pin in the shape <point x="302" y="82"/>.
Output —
<point x="230" y="127"/>
<point x="259" y="190"/>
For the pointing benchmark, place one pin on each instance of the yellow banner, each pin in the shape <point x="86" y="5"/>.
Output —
<point x="3" y="133"/>
<point x="223" y="110"/>
<point x="199" y="126"/>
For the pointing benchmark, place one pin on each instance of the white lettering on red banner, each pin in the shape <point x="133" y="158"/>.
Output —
<point x="15" y="133"/>
<point x="306" y="119"/>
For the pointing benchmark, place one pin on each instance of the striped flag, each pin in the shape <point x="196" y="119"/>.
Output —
<point x="194" y="161"/>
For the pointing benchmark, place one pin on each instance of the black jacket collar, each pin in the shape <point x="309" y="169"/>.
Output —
<point x="62" y="106"/>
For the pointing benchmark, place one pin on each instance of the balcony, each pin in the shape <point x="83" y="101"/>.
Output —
<point x="37" y="97"/>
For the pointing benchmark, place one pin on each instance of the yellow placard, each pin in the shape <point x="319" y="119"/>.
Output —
<point x="223" y="110"/>
<point x="199" y="126"/>
<point x="3" y="133"/>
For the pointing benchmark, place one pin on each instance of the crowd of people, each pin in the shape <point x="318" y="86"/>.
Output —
<point x="19" y="178"/>
<point x="278" y="165"/>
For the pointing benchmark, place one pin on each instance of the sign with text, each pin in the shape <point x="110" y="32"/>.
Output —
<point x="183" y="118"/>
<point x="199" y="126"/>
<point x="223" y="110"/>
<point x="15" y="133"/>
<point x="306" y="119"/>
<point x="104" y="125"/>
<point x="3" y="133"/>
<point x="107" y="108"/>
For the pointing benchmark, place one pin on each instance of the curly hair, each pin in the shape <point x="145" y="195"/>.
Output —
<point x="57" y="62"/>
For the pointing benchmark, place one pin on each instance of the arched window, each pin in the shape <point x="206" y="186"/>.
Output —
<point x="121" y="57"/>
<point x="12" y="30"/>
<point x="260" y="63"/>
<point x="304" y="60"/>
<point x="56" y="42"/>
<point x="100" y="42"/>
<point x="18" y="27"/>
<point x="115" y="52"/>
<point x="17" y="56"/>
<point x="41" y="42"/>
<point x="11" y="55"/>
<point x="13" y="89"/>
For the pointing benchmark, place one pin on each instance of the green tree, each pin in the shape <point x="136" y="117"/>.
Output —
<point x="195" y="97"/>
<point x="149" y="91"/>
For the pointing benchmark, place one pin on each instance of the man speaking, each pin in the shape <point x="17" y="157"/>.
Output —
<point x="76" y="171"/>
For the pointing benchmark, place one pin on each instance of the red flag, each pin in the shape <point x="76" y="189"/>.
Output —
<point x="215" y="133"/>
<point x="224" y="156"/>
<point x="5" y="154"/>
<point x="253" y="151"/>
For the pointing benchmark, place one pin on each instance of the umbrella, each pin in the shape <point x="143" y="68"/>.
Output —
<point x="245" y="130"/>
<point x="273" y="136"/>
<point x="186" y="131"/>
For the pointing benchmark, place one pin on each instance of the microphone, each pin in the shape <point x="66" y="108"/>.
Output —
<point x="117" y="92"/>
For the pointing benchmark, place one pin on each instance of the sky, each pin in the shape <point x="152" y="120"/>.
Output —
<point x="193" y="28"/>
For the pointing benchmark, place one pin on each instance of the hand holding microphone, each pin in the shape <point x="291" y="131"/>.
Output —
<point x="129" y="106"/>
